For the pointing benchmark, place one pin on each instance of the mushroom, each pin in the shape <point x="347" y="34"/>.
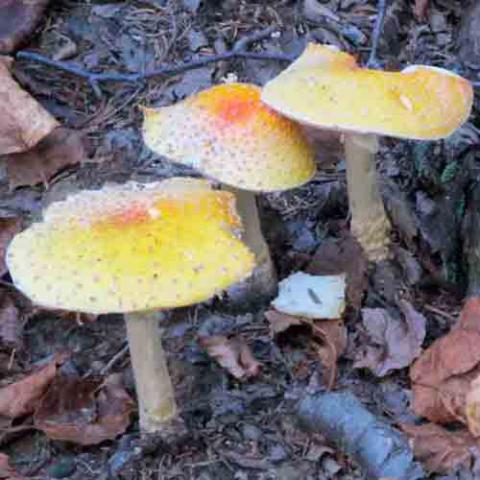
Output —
<point x="325" y="88"/>
<point x="134" y="249"/>
<point x="227" y="134"/>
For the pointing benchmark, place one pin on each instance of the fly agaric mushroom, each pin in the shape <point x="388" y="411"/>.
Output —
<point x="227" y="134"/>
<point x="134" y="249"/>
<point x="326" y="88"/>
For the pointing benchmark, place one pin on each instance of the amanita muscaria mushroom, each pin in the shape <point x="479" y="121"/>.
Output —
<point x="227" y="134"/>
<point x="134" y="249"/>
<point x="326" y="88"/>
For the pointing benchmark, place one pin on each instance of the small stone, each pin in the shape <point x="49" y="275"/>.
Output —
<point x="277" y="454"/>
<point x="62" y="469"/>
<point x="251" y="432"/>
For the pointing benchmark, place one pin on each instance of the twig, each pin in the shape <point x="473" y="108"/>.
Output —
<point x="376" y="34"/>
<point x="94" y="78"/>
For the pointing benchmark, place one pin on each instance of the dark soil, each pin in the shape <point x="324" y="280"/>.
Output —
<point x="244" y="430"/>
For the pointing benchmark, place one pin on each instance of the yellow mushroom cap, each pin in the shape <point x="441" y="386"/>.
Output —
<point x="132" y="248"/>
<point x="228" y="134"/>
<point x="326" y="88"/>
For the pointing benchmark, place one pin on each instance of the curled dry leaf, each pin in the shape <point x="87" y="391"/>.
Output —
<point x="330" y="338"/>
<point x="394" y="342"/>
<point x="8" y="228"/>
<point x="440" y="450"/>
<point x="472" y="407"/>
<point x="7" y="472"/>
<point x="21" y="398"/>
<point x="18" y="20"/>
<point x="443" y="374"/>
<point x="23" y="121"/>
<point x="233" y="354"/>
<point x="59" y="149"/>
<point x="343" y="256"/>
<point x="420" y="9"/>
<point x="84" y="411"/>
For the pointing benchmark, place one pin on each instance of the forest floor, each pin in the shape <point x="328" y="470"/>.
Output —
<point x="250" y="429"/>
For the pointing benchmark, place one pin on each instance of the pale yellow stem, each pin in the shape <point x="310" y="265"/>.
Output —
<point x="369" y="224"/>
<point x="262" y="284"/>
<point x="156" y="398"/>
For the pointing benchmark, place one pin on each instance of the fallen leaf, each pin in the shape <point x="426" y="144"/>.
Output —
<point x="7" y="472"/>
<point x="8" y="228"/>
<point x="343" y="256"/>
<point x="394" y="342"/>
<point x="10" y="325"/>
<point x="330" y="338"/>
<point x="312" y="296"/>
<point x="23" y="121"/>
<point x="18" y="20"/>
<point x="472" y="407"/>
<point x="420" y="9"/>
<point x="233" y="354"/>
<point x="56" y="151"/>
<point x="84" y="411"/>
<point x="442" y="375"/>
<point x="20" y="398"/>
<point x="440" y="450"/>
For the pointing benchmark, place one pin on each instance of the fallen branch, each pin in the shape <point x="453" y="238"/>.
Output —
<point x="94" y="78"/>
<point x="377" y="33"/>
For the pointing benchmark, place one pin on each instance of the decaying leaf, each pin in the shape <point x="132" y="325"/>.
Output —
<point x="8" y="228"/>
<point x="394" y="342"/>
<point x="84" y="411"/>
<point x="343" y="256"/>
<point x="7" y="472"/>
<point x="440" y="450"/>
<point x="472" y="407"/>
<point x="23" y="121"/>
<point x="21" y="398"/>
<point x="442" y="376"/>
<point x="420" y="8"/>
<point x="311" y="296"/>
<point x="330" y="338"/>
<point x="233" y="354"/>
<point x="10" y="324"/>
<point x="61" y="148"/>
<point x="18" y="19"/>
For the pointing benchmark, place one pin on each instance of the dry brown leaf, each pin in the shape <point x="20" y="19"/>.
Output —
<point x="394" y="342"/>
<point x="233" y="354"/>
<point x="10" y="324"/>
<point x="58" y="150"/>
<point x="420" y="9"/>
<point x="343" y="256"/>
<point x="18" y="20"/>
<point x="7" y="472"/>
<point x="442" y="375"/>
<point x="23" y="121"/>
<point x="440" y="450"/>
<point x="472" y="407"/>
<point x="8" y="228"/>
<point x="21" y="398"/>
<point x="84" y="411"/>
<point x="330" y="338"/>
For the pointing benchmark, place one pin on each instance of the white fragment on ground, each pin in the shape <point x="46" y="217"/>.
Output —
<point x="311" y="296"/>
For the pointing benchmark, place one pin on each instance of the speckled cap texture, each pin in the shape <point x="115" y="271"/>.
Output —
<point x="133" y="247"/>
<point x="227" y="134"/>
<point x="326" y="88"/>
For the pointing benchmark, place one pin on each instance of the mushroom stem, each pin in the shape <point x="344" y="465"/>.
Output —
<point x="262" y="284"/>
<point x="156" y="399"/>
<point x="369" y="224"/>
